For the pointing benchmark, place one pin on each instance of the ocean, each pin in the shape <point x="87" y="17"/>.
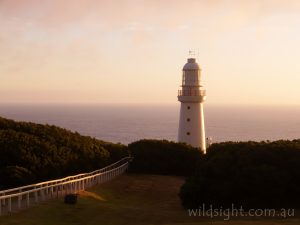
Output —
<point x="128" y="123"/>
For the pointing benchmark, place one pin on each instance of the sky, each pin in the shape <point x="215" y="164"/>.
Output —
<point x="133" y="51"/>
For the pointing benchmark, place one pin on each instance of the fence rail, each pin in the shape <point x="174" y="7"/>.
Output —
<point x="18" y="198"/>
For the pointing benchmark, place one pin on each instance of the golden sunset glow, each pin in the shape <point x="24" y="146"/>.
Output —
<point x="133" y="51"/>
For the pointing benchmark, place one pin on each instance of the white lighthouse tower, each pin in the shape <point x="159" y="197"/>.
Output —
<point x="192" y="97"/>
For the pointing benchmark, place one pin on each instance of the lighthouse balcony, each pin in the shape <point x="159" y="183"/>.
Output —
<point x="191" y="95"/>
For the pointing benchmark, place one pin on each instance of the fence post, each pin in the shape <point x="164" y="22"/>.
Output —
<point x="19" y="201"/>
<point x="47" y="190"/>
<point x="57" y="191"/>
<point x="3" y="200"/>
<point x="42" y="191"/>
<point x="27" y="199"/>
<point x="9" y="205"/>
<point x="36" y="196"/>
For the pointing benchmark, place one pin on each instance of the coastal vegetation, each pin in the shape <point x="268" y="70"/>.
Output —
<point x="248" y="174"/>
<point x="32" y="152"/>
<point x="164" y="157"/>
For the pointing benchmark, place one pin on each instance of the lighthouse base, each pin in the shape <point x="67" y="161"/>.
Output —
<point x="191" y="125"/>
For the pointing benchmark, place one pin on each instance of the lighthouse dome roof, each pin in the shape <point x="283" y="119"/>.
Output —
<point x="191" y="65"/>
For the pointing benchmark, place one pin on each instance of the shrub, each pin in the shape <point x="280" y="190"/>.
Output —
<point x="49" y="152"/>
<point x="13" y="176"/>
<point x="163" y="157"/>
<point x="251" y="174"/>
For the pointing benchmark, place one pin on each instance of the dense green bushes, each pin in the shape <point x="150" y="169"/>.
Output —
<point x="163" y="157"/>
<point x="32" y="152"/>
<point x="251" y="174"/>
<point x="16" y="175"/>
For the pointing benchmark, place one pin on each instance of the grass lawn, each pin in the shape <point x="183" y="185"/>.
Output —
<point x="129" y="199"/>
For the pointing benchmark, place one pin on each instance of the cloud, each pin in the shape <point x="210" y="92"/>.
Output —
<point x="63" y="39"/>
<point x="167" y="14"/>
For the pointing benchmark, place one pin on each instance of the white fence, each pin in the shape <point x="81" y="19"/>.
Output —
<point x="17" y="198"/>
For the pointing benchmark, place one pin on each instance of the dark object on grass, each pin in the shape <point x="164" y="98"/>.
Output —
<point x="71" y="199"/>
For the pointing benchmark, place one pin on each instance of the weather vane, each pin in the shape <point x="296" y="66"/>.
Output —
<point x="194" y="53"/>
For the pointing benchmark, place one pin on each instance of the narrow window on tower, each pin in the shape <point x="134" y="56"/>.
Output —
<point x="188" y="119"/>
<point x="187" y="133"/>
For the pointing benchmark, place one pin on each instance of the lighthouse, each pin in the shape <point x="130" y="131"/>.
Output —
<point x="192" y="97"/>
